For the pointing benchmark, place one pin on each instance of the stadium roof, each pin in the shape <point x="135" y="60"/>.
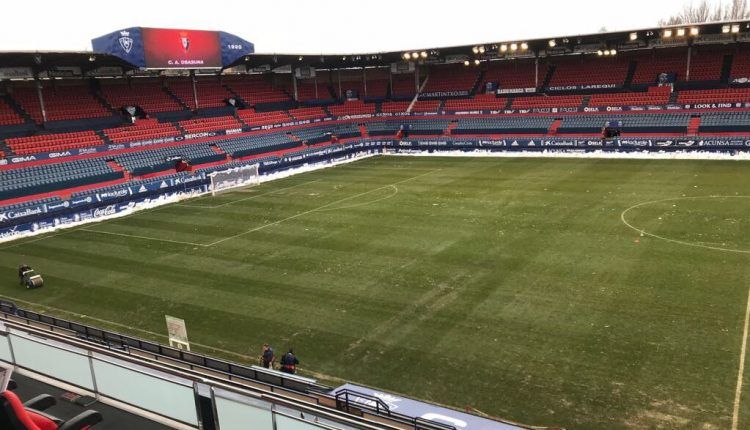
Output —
<point x="719" y="32"/>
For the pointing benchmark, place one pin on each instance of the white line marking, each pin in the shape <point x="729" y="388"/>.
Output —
<point x="316" y="209"/>
<point x="247" y="198"/>
<point x="741" y="372"/>
<point x="356" y="205"/>
<point x="681" y="242"/>
<point x="141" y="237"/>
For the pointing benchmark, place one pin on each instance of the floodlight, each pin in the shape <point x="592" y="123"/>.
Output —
<point x="503" y="48"/>
<point x="667" y="34"/>
<point x="735" y="28"/>
<point x="476" y="62"/>
<point x="423" y="54"/>
<point x="633" y="36"/>
<point x="475" y="50"/>
<point x="680" y="32"/>
<point x="725" y="28"/>
<point x="613" y="52"/>
<point x="600" y="52"/>
<point x="414" y="55"/>
<point x="552" y="43"/>
<point x="606" y="52"/>
<point x="513" y="46"/>
<point x="694" y="31"/>
<point x="524" y="46"/>
<point x="466" y="62"/>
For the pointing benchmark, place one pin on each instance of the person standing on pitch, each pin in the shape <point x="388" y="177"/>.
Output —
<point x="268" y="357"/>
<point x="289" y="362"/>
<point x="21" y="270"/>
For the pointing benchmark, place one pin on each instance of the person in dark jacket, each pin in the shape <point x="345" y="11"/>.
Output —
<point x="268" y="356"/>
<point x="289" y="362"/>
<point x="21" y="270"/>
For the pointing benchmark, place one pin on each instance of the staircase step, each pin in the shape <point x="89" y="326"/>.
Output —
<point x="726" y="68"/>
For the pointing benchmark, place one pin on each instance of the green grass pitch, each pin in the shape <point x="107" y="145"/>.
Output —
<point x="511" y="285"/>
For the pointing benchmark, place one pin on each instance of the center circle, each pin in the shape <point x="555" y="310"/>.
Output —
<point x="720" y="223"/>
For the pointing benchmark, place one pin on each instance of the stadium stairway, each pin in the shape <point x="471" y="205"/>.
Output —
<point x="475" y="88"/>
<point x="18" y="109"/>
<point x="632" y="66"/>
<point x="726" y="68"/>
<point x="548" y="76"/>
<point x="451" y="127"/>
<point x="694" y="125"/>
<point x="175" y="98"/>
<point x="553" y="128"/>
<point x="673" y="97"/>
<point x="363" y="130"/>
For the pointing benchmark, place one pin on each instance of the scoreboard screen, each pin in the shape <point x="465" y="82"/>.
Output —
<point x="189" y="49"/>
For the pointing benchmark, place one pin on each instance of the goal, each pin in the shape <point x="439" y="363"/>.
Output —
<point x="235" y="177"/>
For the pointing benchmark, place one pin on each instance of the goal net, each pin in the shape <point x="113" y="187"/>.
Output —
<point x="233" y="178"/>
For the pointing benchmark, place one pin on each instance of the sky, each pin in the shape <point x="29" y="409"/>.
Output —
<point x="325" y="26"/>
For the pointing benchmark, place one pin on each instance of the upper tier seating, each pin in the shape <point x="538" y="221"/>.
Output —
<point x="54" y="177"/>
<point x="210" y="92"/>
<point x="8" y="116"/>
<point x="353" y="107"/>
<point x="254" y="89"/>
<point x="403" y="85"/>
<point x="659" y="61"/>
<point x="740" y="66"/>
<point x="307" y="89"/>
<point x="588" y="70"/>
<point x="651" y="123"/>
<point x="513" y="74"/>
<point x="451" y="78"/>
<point x="706" y="65"/>
<point x="512" y="124"/>
<point x="478" y="102"/>
<point x="149" y="95"/>
<point x="143" y="129"/>
<point x="53" y="142"/>
<point x="199" y="125"/>
<point x="654" y="96"/>
<point x="547" y="101"/>
<point x="61" y="102"/>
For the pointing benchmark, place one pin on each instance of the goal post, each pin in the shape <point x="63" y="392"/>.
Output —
<point x="235" y="177"/>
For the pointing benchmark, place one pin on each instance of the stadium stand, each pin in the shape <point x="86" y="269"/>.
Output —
<point x="148" y="94"/>
<point x="54" y="177"/>
<point x="255" y="89"/>
<point x="199" y="125"/>
<point x="247" y="146"/>
<point x="724" y="95"/>
<point x="143" y="129"/>
<point x="63" y="101"/>
<point x="158" y="160"/>
<point x="521" y="125"/>
<point x="451" y="78"/>
<point x="478" y="102"/>
<point x="653" y="123"/>
<point x="211" y="93"/>
<point x="511" y="74"/>
<point x="583" y="71"/>
<point x="547" y="101"/>
<point x="252" y="118"/>
<point x="352" y="107"/>
<point x="725" y="122"/>
<point x="8" y="116"/>
<point x="653" y="96"/>
<point x="305" y="113"/>
<point x="659" y="61"/>
<point x="53" y="142"/>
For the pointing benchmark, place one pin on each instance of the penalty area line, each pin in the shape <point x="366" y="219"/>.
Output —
<point x="741" y="371"/>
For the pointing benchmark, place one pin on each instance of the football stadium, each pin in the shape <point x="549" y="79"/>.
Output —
<point x="530" y="233"/>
